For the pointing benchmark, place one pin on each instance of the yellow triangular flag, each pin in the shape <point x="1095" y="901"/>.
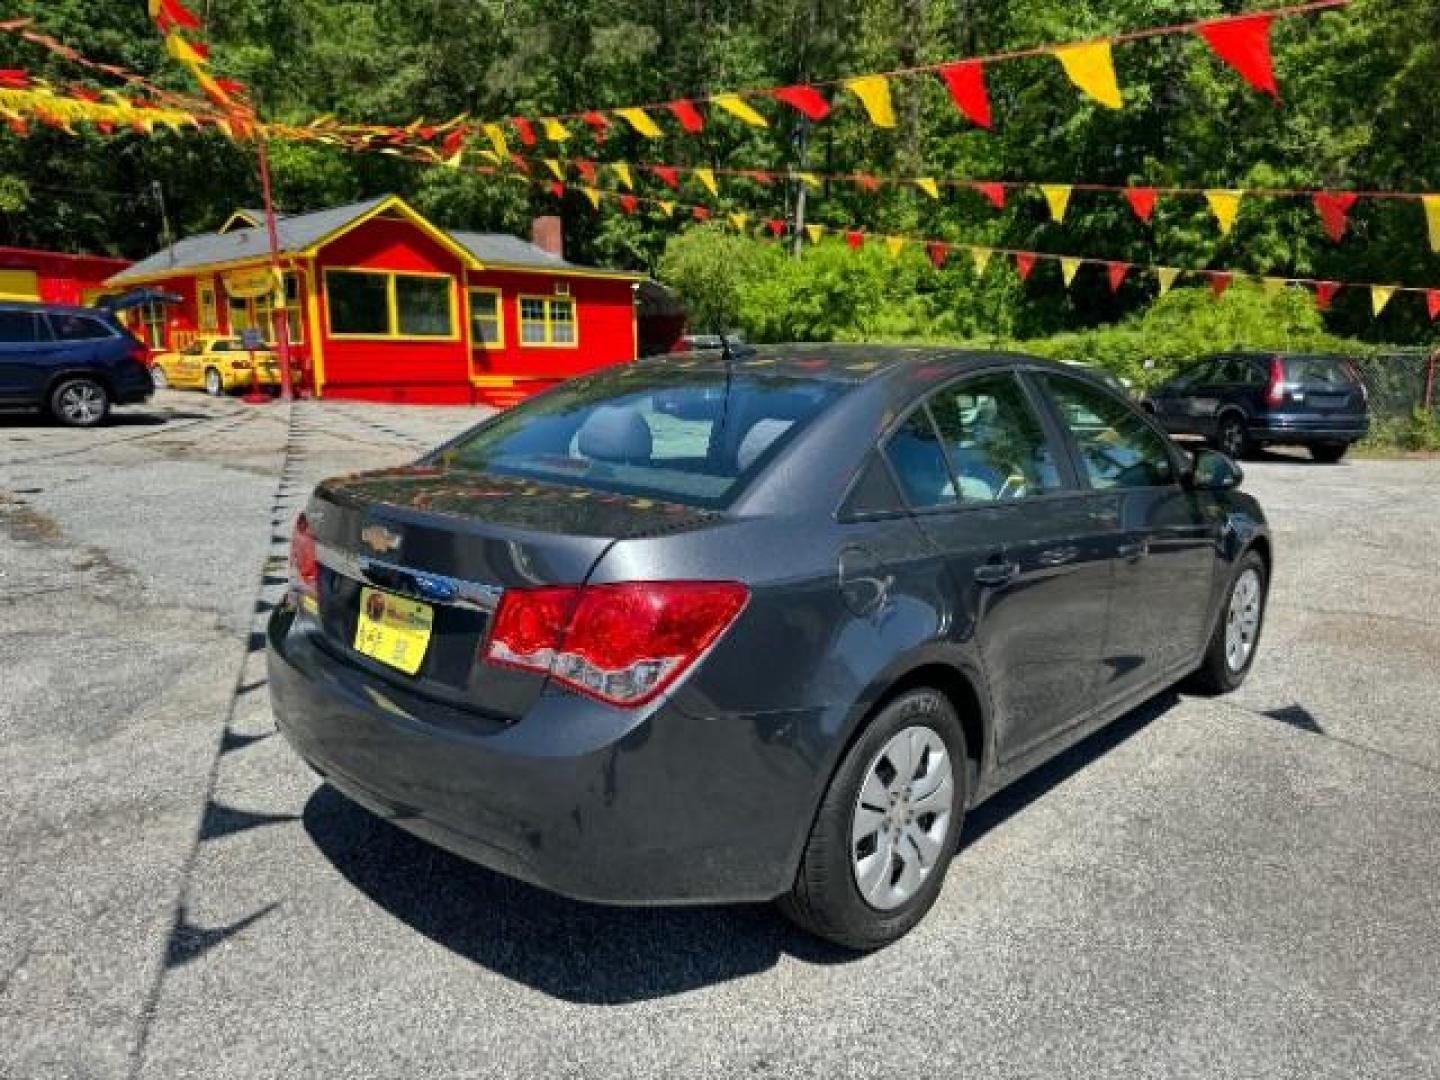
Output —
<point x="894" y="245"/>
<point x="1431" y="203"/>
<point x="735" y="105"/>
<point x="1167" y="276"/>
<point x="1274" y="285"/>
<point x="739" y="221"/>
<point x="667" y="207"/>
<point x="182" y="50"/>
<point x="1225" y="205"/>
<point x="593" y="194"/>
<point x="453" y="161"/>
<point x="981" y="258"/>
<point x="496" y="134"/>
<point x="554" y="167"/>
<point x="707" y="177"/>
<point x="874" y="93"/>
<point x="640" y="120"/>
<point x="1057" y="197"/>
<point x="814" y="232"/>
<point x="490" y="156"/>
<point x="1069" y="267"/>
<point x="554" y="130"/>
<point x="1091" y="67"/>
<point x="623" y="172"/>
<point x="1380" y="296"/>
<point x="809" y="179"/>
<point x="928" y="186"/>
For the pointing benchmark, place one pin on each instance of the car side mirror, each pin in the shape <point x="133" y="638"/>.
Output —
<point x="1214" y="471"/>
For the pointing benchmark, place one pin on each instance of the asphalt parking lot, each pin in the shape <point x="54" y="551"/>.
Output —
<point x="1245" y="887"/>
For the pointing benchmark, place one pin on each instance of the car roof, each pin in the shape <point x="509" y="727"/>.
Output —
<point x="856" y="363"/>
<point x="53" y="309"/>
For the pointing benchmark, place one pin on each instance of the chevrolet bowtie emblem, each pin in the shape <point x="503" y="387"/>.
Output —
<point x="379" y="539"/>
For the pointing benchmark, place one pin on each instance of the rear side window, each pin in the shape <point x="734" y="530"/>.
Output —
<point x="79" y="328"/>
<point x="997" y="447"/>
<point x="1117" y="448"/>
<point x="1321" y="370"/>
<point x="20" y="328"/>
<point x="918" y="458"/>
<point x="690" y="436"/>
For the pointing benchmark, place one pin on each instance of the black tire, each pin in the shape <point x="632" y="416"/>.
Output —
<point x="1233" y="437"/>
<point x="1217" y="674"/>
<point x="214" y="382"/>
<point x="79" y="402"/>
<point x="1329" y="453"/>
<point x="826" y="898"/>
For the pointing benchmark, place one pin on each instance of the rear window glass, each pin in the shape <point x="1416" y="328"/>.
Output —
<point x="1334" y="371"/>
<point x="79" y="328"/>
<point x="688" y="436"/>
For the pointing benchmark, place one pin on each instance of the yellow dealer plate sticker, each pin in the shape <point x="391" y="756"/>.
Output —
<point x="393" y="630"/>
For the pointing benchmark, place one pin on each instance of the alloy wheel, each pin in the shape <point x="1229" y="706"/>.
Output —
<point x="1242" y="620"/>
<point x="82" y="403"/>
<point x="158" y="378"/>
<point x="902" y="817"/>
<point x="213" y="383"/>
<point x="1232" y="437"/>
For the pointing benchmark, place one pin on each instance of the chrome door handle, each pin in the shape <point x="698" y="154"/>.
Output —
<point x="993" y="574"/>
<point x="1058" y="556"/>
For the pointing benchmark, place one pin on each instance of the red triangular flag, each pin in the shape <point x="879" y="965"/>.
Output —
<point x="669" y="174"/>
<point x="777" y="226"/>
<point x="520" y="163"/>
<point x="1118" y="272"/>
<point x="1024" y="262"/>
<point x="805" y="99"/>
<point x="938" y="253"/>
<point x="1334" y="210"/>
<point x="597" y="121"/>
<point x="557" y="189"/>
<point x="527" y="133"/>
<point x="1432" y="303"/>
<point x="1244" y="44"/>
<point x="106" y="127"/>
<point x="1219" y="282"/>
<point x="992" y="191"/>
<point x="14" y="79"/>
<point x="761" y="177"/>
<point x="628" y="203"/>
<point x="866" y="182"/>
<point x="587" y="170"/>
<point x="171" y="13"/>
<point x="700" y="213"/>
<point x="1142" y="201"/>
<point x="689" y="116"/>
<point x="427" y="132"/>
<point x="1324" y="293"/>
<point x="966" y="83"/>
<point x="855" y="238"/>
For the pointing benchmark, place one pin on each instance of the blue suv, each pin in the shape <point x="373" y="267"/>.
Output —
<point x="74" y="362"/>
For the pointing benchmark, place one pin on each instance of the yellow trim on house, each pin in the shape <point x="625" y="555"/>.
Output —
<point x="548" y="322"/>
<point x="395" y="203"/>
<point x="392" y="305"/>
<point x="499" y="295"/>
<point x="262" y="259"/>
<point x="239" y="215"/>
<point x="317" y="337"/>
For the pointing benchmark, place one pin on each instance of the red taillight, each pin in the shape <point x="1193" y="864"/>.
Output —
<point x="622" y="644"/>
<point x="1275" y="392"/>
<point x="304" y="563"/>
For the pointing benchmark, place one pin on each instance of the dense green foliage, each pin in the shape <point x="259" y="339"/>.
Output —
<point x="1361" y="93"/>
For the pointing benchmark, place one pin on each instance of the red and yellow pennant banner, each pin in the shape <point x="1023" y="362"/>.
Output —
<point x="181" y="28"/>
<point x="1240" y="42"/>
<point x="38" y="102"/>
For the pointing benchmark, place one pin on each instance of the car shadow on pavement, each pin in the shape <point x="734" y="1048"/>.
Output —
<point x="591" y="954"/>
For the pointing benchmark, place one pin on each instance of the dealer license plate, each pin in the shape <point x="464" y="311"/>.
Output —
<point x="393" y="630"/>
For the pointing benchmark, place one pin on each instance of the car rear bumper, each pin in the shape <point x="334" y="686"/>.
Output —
<point x="599" y="804"/>
<point x="1303" y="429"/>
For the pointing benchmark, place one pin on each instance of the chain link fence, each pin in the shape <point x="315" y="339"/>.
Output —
<point x="1399" y="382"/>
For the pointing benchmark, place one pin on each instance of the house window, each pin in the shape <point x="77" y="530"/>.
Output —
<point x="365" y="303"/>
<point x="152" y="318"/>
<point x="209" y="308"/>
<point x="294" y="313"/>
<point x="547" y="320"/>
<point x="486" y="327"/>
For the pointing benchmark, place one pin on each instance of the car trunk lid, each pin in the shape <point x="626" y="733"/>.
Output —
<point x="454" y="541"/>
<point x="1324" y="386"/>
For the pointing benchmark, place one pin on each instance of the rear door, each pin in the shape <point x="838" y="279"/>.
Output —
<point x="1162" y="541"/>
<point x="28" y="353"/>
<point x="1186" y="404"/>
<point x="1031" y="584"/>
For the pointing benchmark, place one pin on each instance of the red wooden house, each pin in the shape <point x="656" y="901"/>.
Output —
<point x="382" y="305"/>
<point x="51" y="277"/>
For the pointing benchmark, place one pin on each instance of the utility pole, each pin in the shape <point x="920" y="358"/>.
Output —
<point x="279" y="315"/>
<point x="167" y="238"/>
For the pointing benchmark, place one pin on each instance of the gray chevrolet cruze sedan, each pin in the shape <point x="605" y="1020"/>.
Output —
<point x="741" y="627"/>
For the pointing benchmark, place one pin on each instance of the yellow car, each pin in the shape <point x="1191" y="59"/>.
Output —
<point x="217" y="365"/>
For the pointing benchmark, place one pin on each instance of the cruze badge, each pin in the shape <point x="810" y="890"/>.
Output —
<point x="379" y="539"/>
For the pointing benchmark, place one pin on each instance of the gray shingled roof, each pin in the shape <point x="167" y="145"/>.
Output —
<point x="296" y="233"/>
<point x="502" y="249"/>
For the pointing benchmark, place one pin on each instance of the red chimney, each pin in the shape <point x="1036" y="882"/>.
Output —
<point x="547" y="235"/>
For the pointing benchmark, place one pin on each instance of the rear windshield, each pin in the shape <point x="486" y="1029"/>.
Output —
<point x="1334" y="370"/>
<point x="696" y="437"/>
